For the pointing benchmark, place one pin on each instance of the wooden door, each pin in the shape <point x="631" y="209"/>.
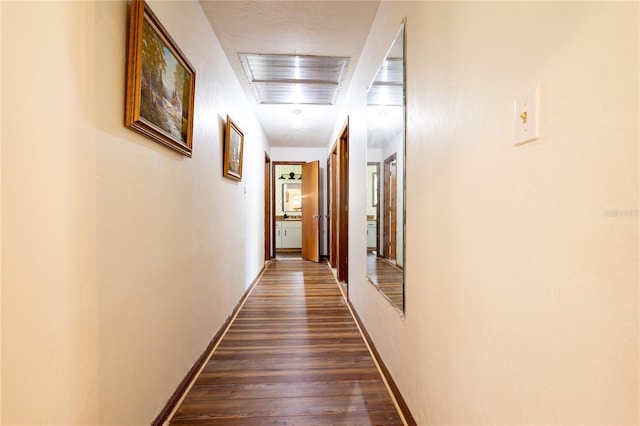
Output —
<point x="390" y="215"/>
<point x="311" y="211"/>
<point x="267" y="208"/>
<point x="333" y="210"/>
<point x="342" y="186"/>
<point x="393" y="214"/>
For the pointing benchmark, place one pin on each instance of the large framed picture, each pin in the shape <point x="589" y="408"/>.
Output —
<point x="160" y="83"/>
<point x="233" y="147"/>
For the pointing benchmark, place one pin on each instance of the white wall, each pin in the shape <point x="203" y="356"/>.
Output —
<point x="521" y="262"/>
<point x="309" y="155"/>
<point x="0" y="224"/>
<point x="121" y="259"/>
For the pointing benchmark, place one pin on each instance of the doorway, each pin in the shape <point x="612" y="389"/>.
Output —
<point x="295" y="217"/>
<point x="373" y="208"/>
<point x="338" y="189"/>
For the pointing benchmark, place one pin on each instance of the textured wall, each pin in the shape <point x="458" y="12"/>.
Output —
<point x="122" y="258"/>
<point x="521" y="262"/>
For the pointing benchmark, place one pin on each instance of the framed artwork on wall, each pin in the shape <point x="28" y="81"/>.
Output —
<point x="233" y="150"/>
<point x="161" y="83"/>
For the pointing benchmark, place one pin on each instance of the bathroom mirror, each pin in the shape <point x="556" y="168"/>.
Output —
<point x="386" y="112"/>
<point x="292" y="197"/>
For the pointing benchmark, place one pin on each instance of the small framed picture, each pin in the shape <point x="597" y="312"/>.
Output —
<point x="233" y="150"/>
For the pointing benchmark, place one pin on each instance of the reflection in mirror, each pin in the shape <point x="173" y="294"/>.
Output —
<point x="292" y="199"/>
<point x="287" y="191"/>
<point x="385" y="174"/>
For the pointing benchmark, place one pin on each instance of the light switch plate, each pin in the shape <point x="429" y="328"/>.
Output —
<point x="525" y="118"/>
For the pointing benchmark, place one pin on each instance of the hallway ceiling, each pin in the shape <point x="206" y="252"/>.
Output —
<point x="309" y="28"/>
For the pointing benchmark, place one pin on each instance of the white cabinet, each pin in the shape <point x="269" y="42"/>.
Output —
<point x="371" y="234"/>
<point x="278" y="235"/>
<point x="289" y="234"/>
<point x="292" y="234"/>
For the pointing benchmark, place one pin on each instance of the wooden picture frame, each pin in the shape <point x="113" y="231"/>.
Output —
<point x="161" y="83"/>
<point x="233" y="151"/>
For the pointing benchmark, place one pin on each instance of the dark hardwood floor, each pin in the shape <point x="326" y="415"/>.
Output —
<point x="387" y="277"/>
<point x="293" y="356"/>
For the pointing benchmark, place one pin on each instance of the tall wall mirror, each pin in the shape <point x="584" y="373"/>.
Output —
<point x="386" y="112"/>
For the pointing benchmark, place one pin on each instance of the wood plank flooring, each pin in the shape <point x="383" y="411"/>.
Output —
<point x="293" y="356"/>
<point x="387" y="278"/>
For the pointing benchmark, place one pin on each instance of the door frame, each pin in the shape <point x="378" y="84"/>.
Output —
<point x="274" y="180"/>
<point x="268" y="250"/>
<point x="342" y="198"/>
<point x="332" y="210"/>
<point x="377" y="190"/>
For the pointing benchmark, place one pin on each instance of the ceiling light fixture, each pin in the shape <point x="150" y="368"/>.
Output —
<point x="291" y="176"/>
<point x="294" y="79"/>
<point x="297" y="111"/>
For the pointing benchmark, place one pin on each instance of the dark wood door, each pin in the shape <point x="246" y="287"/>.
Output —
<point x="267" y="208"/>
<point x="390" y="208"/>
<point x="343" y="205"/>
<point x="333" y="210"/>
